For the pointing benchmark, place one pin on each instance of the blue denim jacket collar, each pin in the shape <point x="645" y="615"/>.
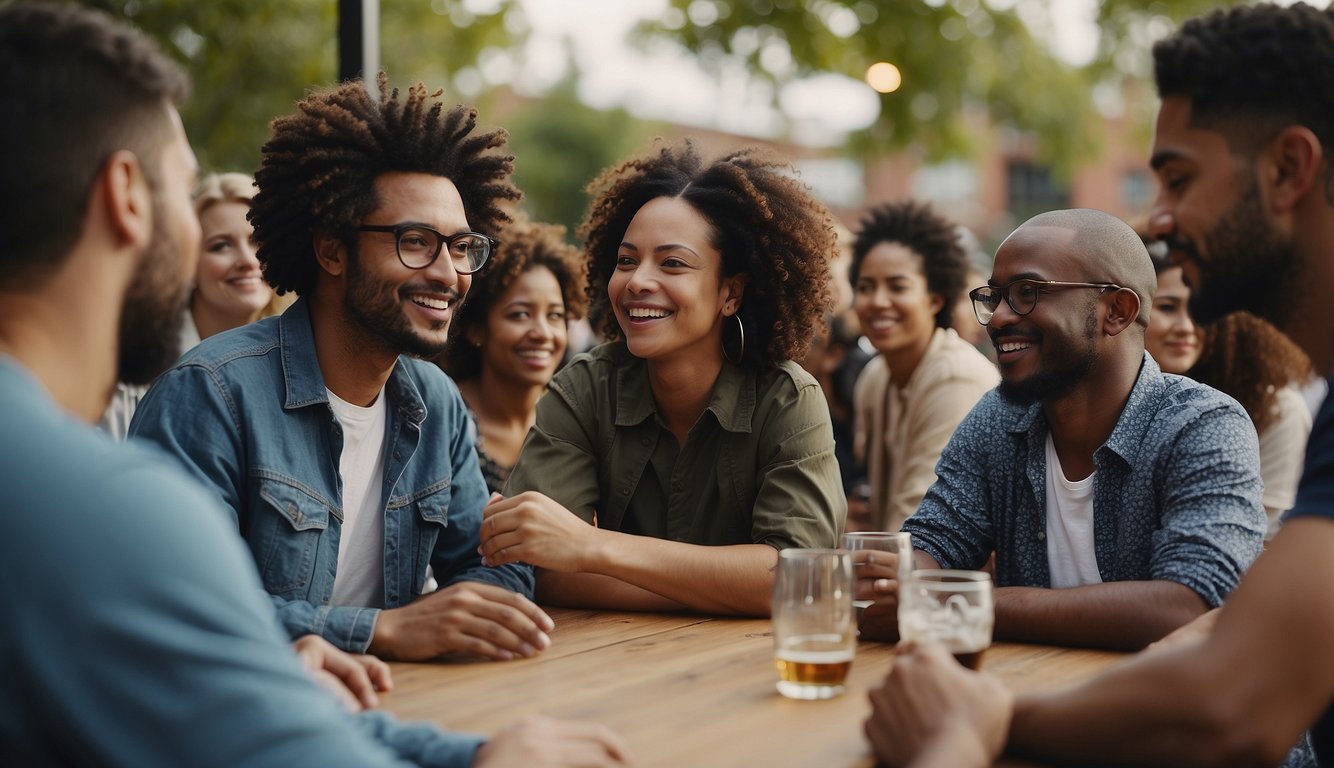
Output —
<point x="304" y="382"/>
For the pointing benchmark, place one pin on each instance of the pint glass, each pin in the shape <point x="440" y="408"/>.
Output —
<point x="815" y="635"/>
<point x="953" y="608"/>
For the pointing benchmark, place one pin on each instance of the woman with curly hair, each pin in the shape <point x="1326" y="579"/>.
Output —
<point x="908" y="271"/>
<point x="510" y="336"/>
<point x="668" y="465"/>
<point x="1249" y="359"/>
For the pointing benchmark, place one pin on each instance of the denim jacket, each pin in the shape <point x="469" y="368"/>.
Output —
<point x="247" y="413"/>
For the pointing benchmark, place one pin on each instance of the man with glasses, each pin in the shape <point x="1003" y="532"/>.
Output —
<point x="345" y="460"/>
<point x="1120" y="502"/>
<point x="1242" y="151"/>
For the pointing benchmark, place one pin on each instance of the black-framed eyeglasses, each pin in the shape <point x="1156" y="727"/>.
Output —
<point x="1021" y="295"/>
<point x="419" y="245"/>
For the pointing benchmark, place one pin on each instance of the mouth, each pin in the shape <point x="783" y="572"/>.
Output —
<point x="1010" y="348"/>
<point x="646" y="313"/>
<point x="882" y="324"/>
<point x="536" y="358"/>
<point x="245" y="283"/>
<point x="435" y="306"/>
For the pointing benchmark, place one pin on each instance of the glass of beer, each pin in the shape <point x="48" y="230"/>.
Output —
<point x="884" y="541"/>
<point x="953" y="608"/>
<point x="815" y="636"/>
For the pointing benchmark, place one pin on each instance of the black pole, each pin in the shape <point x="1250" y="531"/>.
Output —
<point x="351" y="34"/>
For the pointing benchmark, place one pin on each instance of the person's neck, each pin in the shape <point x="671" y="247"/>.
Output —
<point x="501" y="401"/>
<point x="1310" y="320"/>
<point x="210" y="320"/>
<point x="354" y="362"/>
<point x="65" y="331"/>
<point x="682" y="388"/>
<point x="1083" y="420"/>
<point x="903" y="362"/>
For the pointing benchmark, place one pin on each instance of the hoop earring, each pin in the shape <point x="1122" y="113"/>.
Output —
<point x="741" y="345"/>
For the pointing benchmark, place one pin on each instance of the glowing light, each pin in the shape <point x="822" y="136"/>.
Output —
<point x="884" y="77"/>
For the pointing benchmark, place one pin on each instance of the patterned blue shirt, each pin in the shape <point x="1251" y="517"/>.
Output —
<point x="1176" y="494"/>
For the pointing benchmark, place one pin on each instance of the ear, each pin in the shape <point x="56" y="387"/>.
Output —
<point x="1292" y="167"/>
<point x="1122" y="310"/>
<point x="734" y="289"/>
<point x="126" y="199"/>
<point x="937" y="302"/>
<point x="330" y="253"/>
<point x="475" y="335"/>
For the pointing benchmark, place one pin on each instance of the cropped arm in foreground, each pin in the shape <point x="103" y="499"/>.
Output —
<point x="756" y="475"/>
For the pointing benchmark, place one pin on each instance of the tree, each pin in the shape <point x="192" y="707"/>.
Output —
<point x="956" y="57"/>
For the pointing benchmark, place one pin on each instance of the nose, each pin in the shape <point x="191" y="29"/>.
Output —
<point x="1162" y="224"/>
<point x="541" y="328"/>
<point x="641" y="280"/>
<point x="442" y="271"/>
<point x="246" y="254"/>
<point x="1003" y="316"/>
<point x="1183" y="324"/>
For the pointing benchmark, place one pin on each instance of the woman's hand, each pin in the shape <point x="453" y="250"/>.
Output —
<point x="531" y="528"/>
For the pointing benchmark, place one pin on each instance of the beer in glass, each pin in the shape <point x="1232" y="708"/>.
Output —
<point x="815" y="636"/>
<point x="953" y="608"/>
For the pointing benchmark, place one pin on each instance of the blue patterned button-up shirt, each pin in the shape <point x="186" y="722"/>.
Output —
<point x="1176" y="495"/>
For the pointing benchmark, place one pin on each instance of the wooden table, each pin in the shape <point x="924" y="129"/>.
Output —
<point x="687" y="690"/>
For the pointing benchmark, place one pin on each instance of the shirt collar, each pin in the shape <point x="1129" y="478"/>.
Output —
<point x="732" y="401"/>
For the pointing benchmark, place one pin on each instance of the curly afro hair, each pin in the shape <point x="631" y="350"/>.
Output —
<point x="1272" y="66"/>
<point x="765" y="224"/>
<point x="319" y="169"/>
<point x="1250" y="360"/>
<point x="934" y="239"/>
<point x="524" y="245"/>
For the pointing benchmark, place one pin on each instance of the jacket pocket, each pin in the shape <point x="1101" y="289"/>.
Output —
<point x="285" y="538"/>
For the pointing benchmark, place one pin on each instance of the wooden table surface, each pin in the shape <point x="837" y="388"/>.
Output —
<point x="687" y="690"/>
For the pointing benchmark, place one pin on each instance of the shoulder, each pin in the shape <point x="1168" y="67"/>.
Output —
<point x="247" y="341"/>
<point x="594" y="371"/>
<point x="952" y="358"/>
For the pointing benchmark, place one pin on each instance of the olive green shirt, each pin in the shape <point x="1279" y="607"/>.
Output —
<point x="757" y="468"/>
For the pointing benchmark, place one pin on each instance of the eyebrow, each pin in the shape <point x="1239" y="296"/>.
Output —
<point x="666" y="247"/>
<point x="1021" y="276"/>
<point x="1164" y="156"/>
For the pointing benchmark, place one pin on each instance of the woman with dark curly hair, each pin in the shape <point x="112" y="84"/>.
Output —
<point x="668" y="465"/>
<point x="1250" y="360"/>
<point x="908" y="271"/>
<point x="511" y="334"/>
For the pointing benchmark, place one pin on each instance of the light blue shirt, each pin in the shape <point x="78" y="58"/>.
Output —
<point x="1176" y="491"/>
<point x="134" y="628"/>
<point x="247" y="413"/>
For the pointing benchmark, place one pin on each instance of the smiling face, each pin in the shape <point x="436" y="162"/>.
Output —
<point x="896" y="310"/>
<point x="409" y="309"/>
<point x="667" y="292"/>
<point x="1045" y="354"/>
<point x="1210" y="212"/>
<point x="1172" y="337"/>
<point x="228" y="280"/>
<point x="526" y="332"/>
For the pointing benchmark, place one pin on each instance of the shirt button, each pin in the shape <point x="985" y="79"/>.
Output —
<point x="646" y="442"/>
<point x="1042" y="535"/>
<point x="625" y="491"/>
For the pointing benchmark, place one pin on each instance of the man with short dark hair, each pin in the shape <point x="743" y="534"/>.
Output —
<point x="346" y="461"/>
<point x="1243" y="153"/>
<point x="135" y="632"/>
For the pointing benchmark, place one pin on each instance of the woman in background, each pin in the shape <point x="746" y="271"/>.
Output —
<point x="668" y="465"/>
<point x="1248" y="359"/>
<point x="229" y="289"/>
<point x="908" y="271"/>
<point x="510" y="336"/>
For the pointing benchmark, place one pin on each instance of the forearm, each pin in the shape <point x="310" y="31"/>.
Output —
<point x="1123" y="615"/>
<point x="591" y="590"/>
<point x="737" y="579"/>
<point x="348" y="628"/>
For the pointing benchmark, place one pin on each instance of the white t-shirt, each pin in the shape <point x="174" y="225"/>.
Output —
<point x="1071" y="557"/>
<point x="359" y="579"/>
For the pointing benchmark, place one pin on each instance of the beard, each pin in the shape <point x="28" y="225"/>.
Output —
<point x="154" y="308"/>
<point x="1250" y="267"/>
<point x="377" y="305"/>
<point x="1064" y="369"/>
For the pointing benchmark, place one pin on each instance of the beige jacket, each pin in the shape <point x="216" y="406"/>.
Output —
<point x="901" y="432"/>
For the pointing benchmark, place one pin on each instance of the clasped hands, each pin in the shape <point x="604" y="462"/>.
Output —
<point x="532" y="528"/>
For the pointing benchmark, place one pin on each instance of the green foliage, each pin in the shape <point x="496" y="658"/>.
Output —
<point x="959" y="59"/>
<point x="560" y="145"/>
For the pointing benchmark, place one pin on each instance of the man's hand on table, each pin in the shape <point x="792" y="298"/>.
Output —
<point x="933" y="712"/>
<point x="352" y="678"/>
<point x="877" y="579"/>
<point x="542" y="742"/>
<point x="469" y="618"/>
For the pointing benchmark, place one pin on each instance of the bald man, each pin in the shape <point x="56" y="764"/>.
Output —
<point x="1120" y="502"/>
